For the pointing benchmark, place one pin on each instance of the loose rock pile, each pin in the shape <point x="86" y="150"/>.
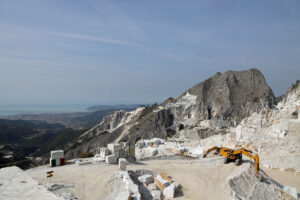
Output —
<point x="63" y="190"/>
<point x="245" y="186"/>
<point x="142" y="184"/>
<point x="156" y="147"/>
<point x="167" y="185"/>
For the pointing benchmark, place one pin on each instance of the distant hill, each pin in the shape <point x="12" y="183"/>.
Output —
<point x="113" y="107"/>
<point x="21" y="142"/>
<point x="77" y="120"/>
<point x="16" y="131"/>
<point x="19" y="139"/>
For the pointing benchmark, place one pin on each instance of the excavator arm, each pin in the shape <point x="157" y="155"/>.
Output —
<point x="237" y="155"/>
<point x="248" y="154"/>
<point x="223" y="151"/>
<point x="211" y="149"/>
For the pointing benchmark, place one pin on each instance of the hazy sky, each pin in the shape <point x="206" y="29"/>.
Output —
<point x="140" y="51"/>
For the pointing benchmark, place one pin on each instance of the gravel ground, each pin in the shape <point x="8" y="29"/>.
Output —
<point x="201" y="179"/>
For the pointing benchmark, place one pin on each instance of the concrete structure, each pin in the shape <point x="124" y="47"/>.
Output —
<point x="16" y="184"/>
<point x="57" y="158"/>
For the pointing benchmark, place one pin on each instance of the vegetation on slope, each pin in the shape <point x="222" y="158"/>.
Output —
<point x="20" y="140"/>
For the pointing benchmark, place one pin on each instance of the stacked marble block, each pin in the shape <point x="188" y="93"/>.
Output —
<point x="132" y="189"/>
<point x="112" y="153"/>
<point x="166" y="185"/>
<point x="148" y="182"/>
<point x="57" y="158"/>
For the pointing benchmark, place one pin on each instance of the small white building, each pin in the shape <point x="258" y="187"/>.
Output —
<point x="57" y="158"/>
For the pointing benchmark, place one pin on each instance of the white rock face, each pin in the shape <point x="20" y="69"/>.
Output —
<point x="16" y="184"/>
<point x="118" y="120"/>
<point x="273" y="134"/>
<point x="244" y="185"/>
<point x="156" y="147"/>
<point x="184" y="109"/>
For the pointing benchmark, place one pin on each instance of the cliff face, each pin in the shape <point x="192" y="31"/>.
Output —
<point x="272" y="133"/>
<point x="229" y="96"/>
<point x="225" y="98"/>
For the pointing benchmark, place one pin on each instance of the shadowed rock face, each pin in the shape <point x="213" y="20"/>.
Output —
<point x="230" y="96"/>
<point x="293" y="89"/>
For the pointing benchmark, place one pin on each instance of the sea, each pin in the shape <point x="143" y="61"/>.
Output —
<point x="18" y="109"/>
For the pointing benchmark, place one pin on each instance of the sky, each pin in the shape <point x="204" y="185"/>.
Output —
<point x="139" y="51"/>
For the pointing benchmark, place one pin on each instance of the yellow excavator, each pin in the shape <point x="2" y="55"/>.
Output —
<point x="236" y="156"/>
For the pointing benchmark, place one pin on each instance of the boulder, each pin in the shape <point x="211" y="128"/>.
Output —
<point x="151" y="187"/>
<point x="156" y="194"/>
<point x="114" y="147"/>
<point x="161" y="183"/>
<point x="111" y="159"/>
<point x="122" y="164"/>
<point x="291" y="191"/>
<point x="169" y="191"/>
<point x="125" y="195"/>
<point x="146" y="179"/>
<point x="132" y="188"/>
<point x="104" y="152"/>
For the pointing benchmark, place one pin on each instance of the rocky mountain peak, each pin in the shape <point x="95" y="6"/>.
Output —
<point x="230" y="96"/>
<point x="293" y="89"/>
<point x="225" y="99"/>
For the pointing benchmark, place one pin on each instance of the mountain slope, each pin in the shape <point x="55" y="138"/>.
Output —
<point x="224" y="98"/>
<point x="113" y="107"/>
<point x="272" y="133"/>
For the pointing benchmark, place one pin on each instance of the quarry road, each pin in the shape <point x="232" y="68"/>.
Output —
<point x="289" y="178"/>
<point x="201" y="179"/>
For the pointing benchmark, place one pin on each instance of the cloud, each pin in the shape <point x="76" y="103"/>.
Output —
<point x="93" y="38"/>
